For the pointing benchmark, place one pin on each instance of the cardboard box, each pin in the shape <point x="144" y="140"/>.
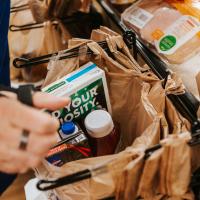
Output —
<point x="87" y="88"/>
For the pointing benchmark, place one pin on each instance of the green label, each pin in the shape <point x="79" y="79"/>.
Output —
<point x="56" y="86"/>
<point x="85" y="100"/>
<point x="167" y="43"/>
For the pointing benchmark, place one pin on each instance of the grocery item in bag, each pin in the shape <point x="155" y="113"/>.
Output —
<point x="172" y="31"/>
<point x="88" y="90"/>
<point x="139" y="104"/>
<point x="68" y="129"/>
<point x="103" y="134"/>
<point x="75" y="147"/>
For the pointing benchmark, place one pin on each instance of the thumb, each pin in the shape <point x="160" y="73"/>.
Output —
<point x="48" y="101"/>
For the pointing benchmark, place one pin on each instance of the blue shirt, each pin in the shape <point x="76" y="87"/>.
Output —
<point x="5" y="179"/>
<point x="4" y="52"/>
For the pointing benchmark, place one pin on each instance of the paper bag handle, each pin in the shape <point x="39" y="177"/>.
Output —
<point x="44" y="185"/>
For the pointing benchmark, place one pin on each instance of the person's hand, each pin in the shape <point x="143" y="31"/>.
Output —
<point x="16" y="117"/>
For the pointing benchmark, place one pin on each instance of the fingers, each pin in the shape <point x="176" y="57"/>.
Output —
<point x="27" y="118"/>
<point x="42" y="128"/>
<point x="39" y="144"/>
<point x="14" y="160"/>
<point x="9" y="94"/>
<point x="48" y="101"/>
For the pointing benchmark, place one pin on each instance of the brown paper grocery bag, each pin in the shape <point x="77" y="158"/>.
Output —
<point x="128" y="182"/>
<point x="60" y="68"/>
<point x="123" y="75"/>
<point x="167" y="171"/>
<point x="149" y="178"/>
<point x="15" y="43"/>
<point x="100" y="185"/>
<point x="175" y="167"/>
<point x="33" y="43"/>
<point x="138" y="102"/>
<point x="39" y="10"/>
<point x="63" y="8"/>
<point x="125" y="86"/>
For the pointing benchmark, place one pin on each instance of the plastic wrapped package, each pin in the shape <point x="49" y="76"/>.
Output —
<point x="139" y="14"/>
<point x="171" y="26"/>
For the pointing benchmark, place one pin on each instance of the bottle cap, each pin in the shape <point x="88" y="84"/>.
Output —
<point x="99" y="123"/>
<point x="68" y="128"/>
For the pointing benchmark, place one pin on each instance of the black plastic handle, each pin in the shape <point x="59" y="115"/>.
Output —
<point x="44" y="185"/>
<point x="19" y="8"/>
<point x="20" y="62"/>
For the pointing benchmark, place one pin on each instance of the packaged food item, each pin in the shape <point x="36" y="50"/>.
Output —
<point x="104" y="136"/>
<point x="75" y="147"/>
<point x="159" y="22"/>
<point x="171" y="26"/>
<point x="87" y="88"/>
<point x="139" y="14"/>
<point x="68" y="129"/>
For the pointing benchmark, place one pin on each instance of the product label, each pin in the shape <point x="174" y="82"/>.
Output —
<point x="87" y="89"/>
<point x="69" y="150"/>
<point x="140" y="17"/>
<point x="85" y="100"/>
<point x="180" y="32"/>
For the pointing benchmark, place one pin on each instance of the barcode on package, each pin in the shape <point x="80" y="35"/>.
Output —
<point x="140" y="17"/>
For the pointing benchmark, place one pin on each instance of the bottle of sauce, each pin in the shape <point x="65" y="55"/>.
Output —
<point x="103" y="135"/>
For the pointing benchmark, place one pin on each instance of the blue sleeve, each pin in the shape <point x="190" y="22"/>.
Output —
<point x="4" y="51"/>
<point x="5" y="179"/>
